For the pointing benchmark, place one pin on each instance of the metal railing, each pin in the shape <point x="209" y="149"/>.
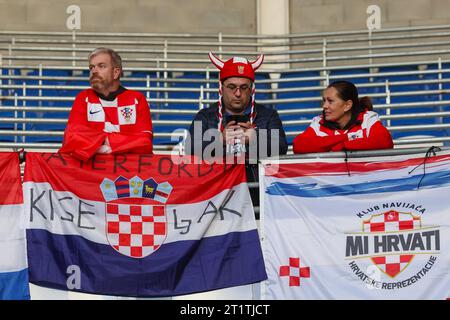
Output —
<point x="23" y="103"/>
<point x="169" y="50"/>
<point x="178" y="79"/>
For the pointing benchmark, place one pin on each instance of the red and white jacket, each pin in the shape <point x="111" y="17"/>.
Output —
<point x="368" y="133"/>
<point x="125" y="122"/>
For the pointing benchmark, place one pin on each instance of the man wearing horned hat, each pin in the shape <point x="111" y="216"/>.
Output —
<point x="237" y="120"/>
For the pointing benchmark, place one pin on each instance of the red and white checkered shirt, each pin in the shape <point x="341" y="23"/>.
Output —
<point x="125" y="121"/>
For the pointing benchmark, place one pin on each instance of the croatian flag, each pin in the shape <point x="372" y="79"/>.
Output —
<point x="13" y="260"/>
<point x="370" y="228"/>
<point x="139" y="225"/>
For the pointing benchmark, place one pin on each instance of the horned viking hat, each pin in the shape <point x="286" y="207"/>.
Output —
<point x="236" y="67"/>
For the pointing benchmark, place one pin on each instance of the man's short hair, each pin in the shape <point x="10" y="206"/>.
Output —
<point x="251" y="82"/>
<point x="115" y="58"/>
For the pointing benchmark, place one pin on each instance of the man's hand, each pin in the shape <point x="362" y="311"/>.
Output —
<point x="105" y="147"/>
<point x="249" y="131"/>
<point x="232" y="131"/>
<point x="243" y="131"/>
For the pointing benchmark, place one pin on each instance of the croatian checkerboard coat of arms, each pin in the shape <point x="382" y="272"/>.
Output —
<point x="391" y="222"/>
<point x="136" y="222"/>
<point x="390" y="240"/>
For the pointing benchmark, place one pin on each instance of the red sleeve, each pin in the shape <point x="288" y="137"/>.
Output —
<point x="308" y="141"/>
<point x="379" y="138"/>
<point x="139" y="140"/>
<point x="80" y="140"/>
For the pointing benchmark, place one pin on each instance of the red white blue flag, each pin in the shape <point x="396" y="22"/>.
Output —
<point x="13" y="260"/>
<point x="367" y="228"/>
<point x="139" y="225"/>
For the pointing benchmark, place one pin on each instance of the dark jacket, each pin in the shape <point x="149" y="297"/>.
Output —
<point x="265" y="119"/>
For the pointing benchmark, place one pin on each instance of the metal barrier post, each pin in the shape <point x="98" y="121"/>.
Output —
<point x="274" y="86"/>
<point x="370" y="47"/>
<point x="16" y="116"/>
<point x="40" y="84"/>
<point x="24" y="104"/>
<point x="220" y="45"/>
<point x="200" y="98"/>
<point x="13" y="41"/>
<point x="440" y="107"/>
<point x="74" y="47"/>
<point x="324" y="57"/>
<point x="158" y="84"/>
<point x="388" y="101"/>
<point x="207" y="83"/>
<point x="166" y="94"/>
<point x="147" y="92"/>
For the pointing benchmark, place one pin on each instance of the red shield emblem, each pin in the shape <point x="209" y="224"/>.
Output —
<point x="136" y="223"/>
<point x="135" y="230"/>
<point x="392" y="221"/>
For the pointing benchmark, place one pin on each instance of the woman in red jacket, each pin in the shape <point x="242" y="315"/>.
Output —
<point x="347" y="123"/>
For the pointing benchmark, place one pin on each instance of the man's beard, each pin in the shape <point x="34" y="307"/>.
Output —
<point x="98" y="83"/>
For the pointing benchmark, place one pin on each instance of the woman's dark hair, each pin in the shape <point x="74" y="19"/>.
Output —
<point x="347" y="91"/>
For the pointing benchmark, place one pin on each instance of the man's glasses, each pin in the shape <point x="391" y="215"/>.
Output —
<point x="233" y="87"/>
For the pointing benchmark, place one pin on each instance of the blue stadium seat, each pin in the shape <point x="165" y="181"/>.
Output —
<point x="46" y="103"/>
<point x="195" y="85"/>
<point x="137" y="74"/>
<point x="197" y="79"/>
<point x="411" y="98"/>
<point x="299" y="83"/>
<point x="349" y="72"/>
<point x="262" y="86"/>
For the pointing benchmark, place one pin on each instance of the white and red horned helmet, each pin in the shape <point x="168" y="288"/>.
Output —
<point x="236" y="67"/>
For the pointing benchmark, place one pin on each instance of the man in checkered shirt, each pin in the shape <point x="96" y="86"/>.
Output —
<point x="107" y="118"/>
